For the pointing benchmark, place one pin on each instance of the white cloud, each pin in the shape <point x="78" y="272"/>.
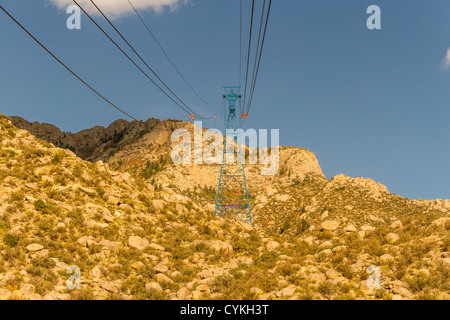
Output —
<point x="446" y="63"/>
<point x="117" y="8"/>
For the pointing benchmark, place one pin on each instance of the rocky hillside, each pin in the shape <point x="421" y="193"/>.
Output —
<point x="94" y="144"/>
<point x="139" y="227"/>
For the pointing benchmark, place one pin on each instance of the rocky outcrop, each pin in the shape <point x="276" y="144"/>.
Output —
<point x="93" y="144"/>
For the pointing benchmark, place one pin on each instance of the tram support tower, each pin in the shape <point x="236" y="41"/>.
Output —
<point x="232" y="194"/>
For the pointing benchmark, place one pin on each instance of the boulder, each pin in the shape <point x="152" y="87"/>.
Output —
<point x="155" y="246"/>
<point x="138" y="243"/>
<point x="272" y="245"/>
<point x="184" y="294"/>
<point x="330" y="225"/>
<point x="325" y="245"/>
<point x="153" y="286"/>
<point x="162" y="278"/>
<point x="113" y="201"/>
<point x="161" y="267"/>
<point x="396" y="225"/>
<point x="34" y="247"/>
<point x="393" y="237"/>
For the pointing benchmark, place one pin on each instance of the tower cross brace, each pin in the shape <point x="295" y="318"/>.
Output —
<point x="232" y="194"/>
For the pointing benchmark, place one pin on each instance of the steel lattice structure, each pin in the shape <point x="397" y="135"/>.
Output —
<point x="232" y="194"/>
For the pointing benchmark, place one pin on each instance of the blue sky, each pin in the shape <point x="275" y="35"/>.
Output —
<point x="368" y="103"/>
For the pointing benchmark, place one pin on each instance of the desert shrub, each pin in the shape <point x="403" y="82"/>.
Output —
<point x="100" y="191"/>
<point x="345" y="270"/>
<point x="10" y="240"/>
<point x="58" y="157"/>
<point x="324" y="235"/>
<point x="302" y="226"/>
<point x="77" y="216"/>
<point x="327" y="289"/>
<point x="82" y="294"/>
<point x="16" y="197"/>
<point x="145" y="200"/>
<point x="285" y="269"/>
<point x="40" y="205"/>
<point x="375" y="248"/>
<point x="45" y="224"/>
<point x="418" y="282"/>
<point x="153" y="167"/>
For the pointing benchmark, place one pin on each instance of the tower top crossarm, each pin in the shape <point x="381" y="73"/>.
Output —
<point x="232" y="94"/>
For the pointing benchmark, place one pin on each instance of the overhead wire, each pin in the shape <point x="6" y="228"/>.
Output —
<point x="257" y="46"/>
<point x="146" y="64"/>
<point x="139" y="56"/>
<point x="259" y="60"/>
<point x="128" y="57"/>
<point x="240" y="46"/>
<point x="249" y="50"/>
<point x="240" y="62"/>
<point x="66" y="67"/>
<point x="167" y="56"/>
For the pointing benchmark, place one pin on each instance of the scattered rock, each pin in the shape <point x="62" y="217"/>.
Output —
<point x="325" y="245"/>
<point x="396" y="225"/>
<point x="256" y="291"/>
<point x="184" y="294"/>
<point x="86" y="241"/>
<point x="245" y="226"/>
<point x="113" y="201"/>
<point x="94" y="224"/>
<point x="138" y="243"/>
<point x="153" y="286"/>
<point x="350" y="228"/>
<point x="138" y="265"/>
<point x="162" y="278"/>
<point x="216" y="245"/>
<point x="332" y="274"/>
<point x="96" y="273"/>
<point x="330" y="225"/>
<point x="393" y="237"/>
<point x="283" y="197"/>
<point x="161" y="267"/>
<point x="34" y="247"/>
<point x="155" y="246"/>
<point x="386" y="258"/>
<point x="88" y="191"/>
<point x="272" y="245"/>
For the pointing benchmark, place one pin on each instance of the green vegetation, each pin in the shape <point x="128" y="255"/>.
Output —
<point x="10" y="240"/>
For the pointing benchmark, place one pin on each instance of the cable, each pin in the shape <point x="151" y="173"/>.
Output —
<point x="240" y="47"/>
<point x="167" y="56"/>
<point x="139" y="56"/>
<point x="259" y="61"/>
<point x="132" y="61"/>
<point x="240" y="62"/>
<point x="66" y="67"/>
<point x="257" y="46"/>
<point x="146" y="64"/>
<point x="249" y="49"/>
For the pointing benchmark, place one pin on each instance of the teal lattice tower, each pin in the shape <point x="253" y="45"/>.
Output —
<point x="232" y="195"/>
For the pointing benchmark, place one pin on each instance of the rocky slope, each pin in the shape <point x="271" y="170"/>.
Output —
<point x="141" y="228"/>
<point x="93" y="144"/>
